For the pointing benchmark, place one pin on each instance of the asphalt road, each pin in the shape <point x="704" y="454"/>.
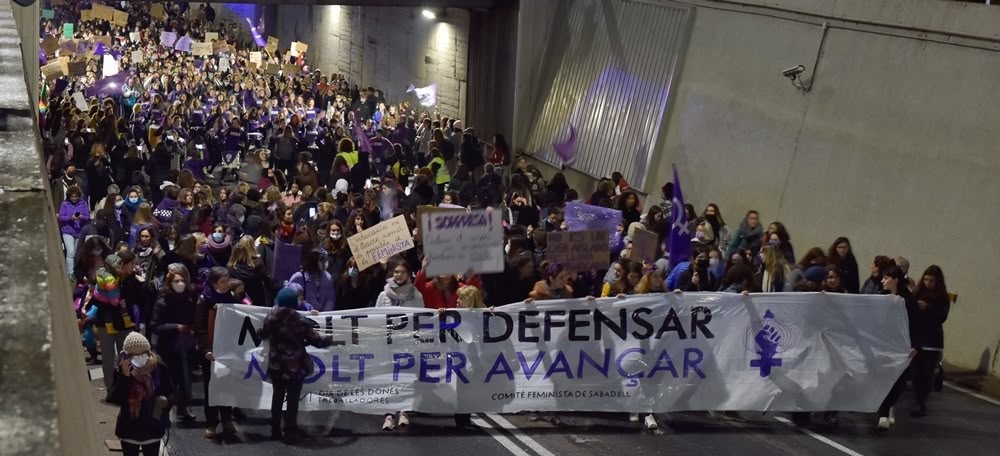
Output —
<point x="959" y="424"/>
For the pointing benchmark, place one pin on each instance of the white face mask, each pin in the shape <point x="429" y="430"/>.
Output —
<point x="119" y="203"/>
<point x="713" y="263"/>
<point x="139" y="360"/>
<point x="335" y="236"/>
<point x="179" y="287"/>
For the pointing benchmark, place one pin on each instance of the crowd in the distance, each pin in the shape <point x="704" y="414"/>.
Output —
<point x="174" y="192"/>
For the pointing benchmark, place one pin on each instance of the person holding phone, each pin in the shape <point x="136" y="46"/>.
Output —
<point x="141" y="389"/>
<point x="73" y="215"/>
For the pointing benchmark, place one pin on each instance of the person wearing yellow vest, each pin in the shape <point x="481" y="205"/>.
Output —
<point x="346" y="150"/>
<point x="440" y="172"/>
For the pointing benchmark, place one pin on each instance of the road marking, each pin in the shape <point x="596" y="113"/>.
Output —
<point x="519" y="434"/>
<point x="972" y="393"/>
<point x="502" y="439"/>
<point x="828" y="442"/>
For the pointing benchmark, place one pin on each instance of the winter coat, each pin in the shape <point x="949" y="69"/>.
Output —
<point x="66" y="211"/>
<point x="256" y="282"/>
<point x="317" y="289"/>
<point x="745" y="238"/>
<point x="405" y="295"/>
<point x="434" y="297"/>
<point x="204" y="316"/>
<point x="171" y="312"/>
<point x="288" y="333"/>
<point x="144" y="427"/>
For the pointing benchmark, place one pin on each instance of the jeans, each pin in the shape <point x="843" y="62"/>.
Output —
<point x="111" y="345"/>
<point x="213" y="414"/>
<point x="129" y="449"/>
<point x="922" y="371"/>
<point x="69" y="244"/>
<point x="283" y="390"/>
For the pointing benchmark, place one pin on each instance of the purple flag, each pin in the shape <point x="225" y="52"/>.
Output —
<point x="108" y="86"/>
<point x="183" y="44"/>
<point x="42" y="60"/>
<point x="99" y="49"/>
<point x="287" y="260"/>
<point x="363" y="143"/>
<point x="679" y="243"/>
<point x="257" y="38"/>
<point x="584" y="217"/>
<point x="567" y="150"/>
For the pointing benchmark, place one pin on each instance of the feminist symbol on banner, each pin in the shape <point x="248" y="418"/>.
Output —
<point x="766" y="338"/>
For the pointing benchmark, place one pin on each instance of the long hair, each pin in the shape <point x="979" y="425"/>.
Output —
<point x="623" y="285"/>
<point x="812" y="255"/>
<point x="143" y="215"/>
<point x="471" y="297"/>
<point x="940" y="290"/>
<point x="774" y="261"/>
<point x="833" y="258"/>
<point x="243" y="253"/>
<point x="166" y="288"/>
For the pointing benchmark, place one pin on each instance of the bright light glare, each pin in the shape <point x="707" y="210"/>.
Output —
<point x="428" y="14"/>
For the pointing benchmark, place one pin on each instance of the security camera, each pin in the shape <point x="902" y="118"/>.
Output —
<point x="793" y="72"/>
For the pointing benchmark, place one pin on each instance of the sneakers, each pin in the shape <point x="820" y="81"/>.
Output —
<point x="210" y="431"/>
<point x="404" y="420"/>
<point x="883" y="423"/>
<point x="389" y="423"/>
<point x="633" y="417"/>
<point x="650" y="422"/>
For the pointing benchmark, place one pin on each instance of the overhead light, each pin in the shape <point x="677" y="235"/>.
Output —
<point x="428" y="14"/>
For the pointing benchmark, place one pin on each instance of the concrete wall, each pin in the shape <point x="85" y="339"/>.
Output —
<point x="894" y="147"/>
<point x="385" y="47"/>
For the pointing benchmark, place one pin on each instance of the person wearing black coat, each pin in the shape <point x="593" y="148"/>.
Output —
<point x="933" y="305"/>
<point x="173" y="323"/>
<point x="894" y="282"/>
<point x="141" y="388"/>
<point x="842" y="255"/>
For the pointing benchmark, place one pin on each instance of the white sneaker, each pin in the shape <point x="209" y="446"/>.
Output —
<point x="633" y="417"/>
<point x="884" y="423"/>
<point x="404" y="420"/>
<point x="389" y="423"/>
<point x="651" y="422"/>
<point x="892" y="415"/>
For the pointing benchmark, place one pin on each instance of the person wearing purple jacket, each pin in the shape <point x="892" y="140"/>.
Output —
<point x="381" y="150"/>
<point x="73" y="215"/>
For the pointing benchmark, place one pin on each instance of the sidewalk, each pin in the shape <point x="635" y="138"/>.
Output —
<point x="988" y="385"/>
<point x="106" y="413"/>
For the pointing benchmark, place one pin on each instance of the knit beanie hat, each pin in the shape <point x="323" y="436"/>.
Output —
<point x="135" y="343"/>
<point x="287" y="297"/>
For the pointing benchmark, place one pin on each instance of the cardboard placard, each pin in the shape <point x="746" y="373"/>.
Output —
<point x="86" y="15"/>
<point x="462" y="242"/>
<point x="67" y="47"/>
<point x="289" y="69"/>
<point x="256" y="58"/>
<point x="201" y="49"/>
<point x="106" y="39"/>
<point x="579" y="251"/>
<point x="273" y="68"/>
<point x="644" y="245"/>
<point x="211" y="36"/>
<point x="421" y="210"/>
<point x="380" y="242"/>
<point x="103" y="12"/>
<point x="157" y="11"/>
<point x="272" y="45"/>
<point x="136" y="56"/>
<point x="134" y="37"/>
<point x="50" y="45"/>
<point x="64" y="64"/>
<point x="223" y="63"/>
<point x="220" y="47"/>
<point x="77" y="68"/>
<point x="80" y="102"/>
<point x="52" y="70"/>
<point x="299" y="48"/>
<point x="110" y="66"/>
<point x="120" y="18"/>
<point x="184" y="44"/>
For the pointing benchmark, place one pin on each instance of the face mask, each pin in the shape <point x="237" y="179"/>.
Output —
<point x="139" y="360"/>
<point x="335" y="236"/>
<point x="218" y="237"/>
<point x="119" y="203"/>
<point x="133" y="199"/>
<point x="179" y="287"/>
<point x="713" y="263"/>
<point x="352" y="272"/>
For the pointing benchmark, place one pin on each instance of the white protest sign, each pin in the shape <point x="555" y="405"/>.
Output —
<point x="381" y="242"/>
<point x="223" y="63"/>
<point x="211" y="36"/>
<point x="457" y="242"/>
<point x="80" y="102"/>
<point x="256" y="57"/>
<point x="133" y="37"/>
<point x="110" y="67"/>
<point x="646" y="353"/>
<point x="137" y="56"/>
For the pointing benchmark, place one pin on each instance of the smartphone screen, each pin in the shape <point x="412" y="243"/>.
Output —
<point x="312" y="212"/>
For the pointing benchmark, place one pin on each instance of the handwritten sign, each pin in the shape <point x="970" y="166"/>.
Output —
<point x="110" y="66"/>
<point x="456" y="242"/>
<point x="86" y="15"/>
<point x="223" y="64"/>
<point x="644" y="245"/>
<point x="381" y="242"/>
<point x="211" y="36"/>
<point x="272" y="44"/>
<point x="256" y="58"/>
<point x="106" y="39"/>
<point x="134" y="37"/>
<point x="579" y="251"/>
<point x="120" y="18"/>
<point x="201" y="49"/>
<point x="272" y="68"/>
<point x="220" y="47"/>
<point x="289" y="69"/>
<point x="52" y="70"/>
<point x="299" y="48"/>
<point x="50" y="44"/>
<point x="167" y="39"/>
<point x="103" y="12"/>
<point x="158" y="12"/>
<point x="80" y="102"/>
<point x="184" y="44"/>
<point x="77" y="68"/>
<point x="581" y="217"/>
<point x="137" y="56"/>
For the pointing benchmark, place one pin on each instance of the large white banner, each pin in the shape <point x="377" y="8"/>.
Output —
<point x="650" y="353"/>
